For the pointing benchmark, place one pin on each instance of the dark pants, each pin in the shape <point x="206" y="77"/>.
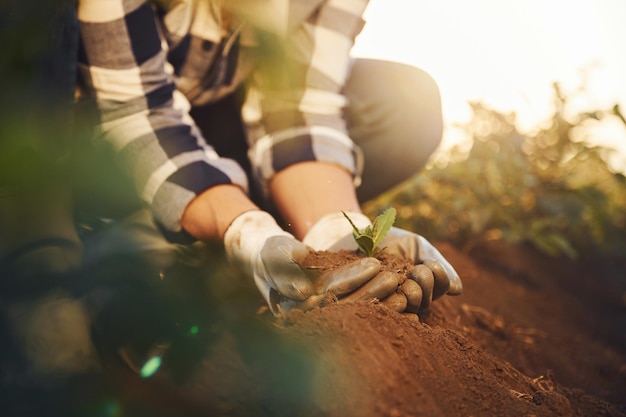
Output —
<point x="37" y="79"/>
<point x="44" y="330"/>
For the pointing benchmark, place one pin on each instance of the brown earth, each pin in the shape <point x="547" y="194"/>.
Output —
<point x="530" y="336"/>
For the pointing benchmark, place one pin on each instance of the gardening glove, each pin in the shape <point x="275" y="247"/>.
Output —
<point x="430" y="278"/>
<point x="334" y="233"/>
<point x="273" y="257"/>
<point x="432" y="272"/>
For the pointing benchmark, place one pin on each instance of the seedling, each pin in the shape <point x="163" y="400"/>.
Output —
<point x="369" y="238"/>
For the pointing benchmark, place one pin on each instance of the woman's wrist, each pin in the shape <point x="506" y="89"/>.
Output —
<point x="208" y="216"/>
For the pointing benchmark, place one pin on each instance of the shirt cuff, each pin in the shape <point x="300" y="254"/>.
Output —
<point x="279" y="150"/>
<point x="175" y="193"/>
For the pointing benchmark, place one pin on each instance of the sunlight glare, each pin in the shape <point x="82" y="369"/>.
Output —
<point x="506" y="54"/>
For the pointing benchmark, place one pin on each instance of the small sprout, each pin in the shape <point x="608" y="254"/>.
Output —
<point x="368" y="239"/>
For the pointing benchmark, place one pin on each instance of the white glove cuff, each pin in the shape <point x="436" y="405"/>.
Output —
<point x="246" y="236"/>
<point x="334" y="231"/>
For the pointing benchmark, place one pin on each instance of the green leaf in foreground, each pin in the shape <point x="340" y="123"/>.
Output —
<point x="369" y="238"/>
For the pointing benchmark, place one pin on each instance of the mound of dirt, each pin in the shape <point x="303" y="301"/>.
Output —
<point x="530" y="336"/>
<point x="515" y="343"/>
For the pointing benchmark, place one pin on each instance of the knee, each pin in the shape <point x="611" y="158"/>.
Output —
<point x="399" y="99"/>
<point x="394" y="114"/>
<point x="417" y="101"/>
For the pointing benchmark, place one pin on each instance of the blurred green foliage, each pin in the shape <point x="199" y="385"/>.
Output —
<point x="545" y="188"/>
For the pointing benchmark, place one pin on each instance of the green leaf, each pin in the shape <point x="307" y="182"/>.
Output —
<point x="356" y="229"/>
<point x="368" y="238"/>
<point x="382" y="224"/>
<point x="365" y="243"/>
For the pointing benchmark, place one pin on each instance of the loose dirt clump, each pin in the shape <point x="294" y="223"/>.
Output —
<point x="323" y="261"/>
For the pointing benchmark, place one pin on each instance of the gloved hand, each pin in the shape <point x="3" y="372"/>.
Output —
<point x="273" y="257"/>
<point x="432" y="272"/>
<point x="430" y="278"/>
<point x="334" y="233"/>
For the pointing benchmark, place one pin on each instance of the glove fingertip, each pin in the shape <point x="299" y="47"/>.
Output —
<point x="413" y="294"/>
<point x="443" y="277"/>
<point x="396" y="301"/>
<point x="351" y="276"/>
<point x="456" y="286"/>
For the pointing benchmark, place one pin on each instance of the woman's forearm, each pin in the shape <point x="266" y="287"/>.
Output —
<point x="305" y="192"/>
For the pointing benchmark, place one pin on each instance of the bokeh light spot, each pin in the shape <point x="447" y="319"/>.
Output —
<point x="150" y="367"/>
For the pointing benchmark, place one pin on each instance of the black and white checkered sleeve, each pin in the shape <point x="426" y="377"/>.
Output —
<point x="142" y="114"/>
<point x="295" y="111"/>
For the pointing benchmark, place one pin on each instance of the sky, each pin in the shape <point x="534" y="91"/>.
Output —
<point x="507" y="54"/>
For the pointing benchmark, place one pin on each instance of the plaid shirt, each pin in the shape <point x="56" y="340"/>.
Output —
<point x="147" y="63"/>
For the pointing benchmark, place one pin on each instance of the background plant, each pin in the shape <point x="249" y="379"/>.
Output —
<point x="548" y="188"/>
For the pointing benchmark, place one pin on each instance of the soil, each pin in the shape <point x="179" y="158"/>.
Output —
<point x="530" y="336"/>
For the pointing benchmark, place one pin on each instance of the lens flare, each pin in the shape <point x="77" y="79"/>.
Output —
<point x="151" y="366"/>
